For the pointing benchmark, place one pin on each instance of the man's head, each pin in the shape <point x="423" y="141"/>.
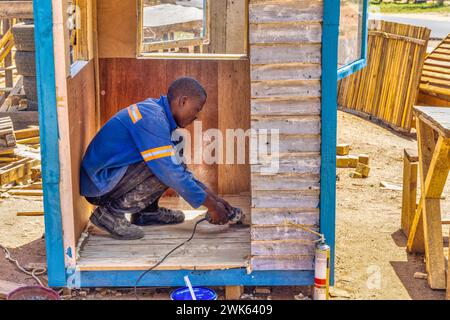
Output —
<point x="186" y="98"/>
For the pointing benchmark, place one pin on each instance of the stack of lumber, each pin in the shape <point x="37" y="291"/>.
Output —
<point x="435" y="80"/>
<point x="346" y="160"/>
<point x="20" y="171"/>
<point x="16" y="100"/>
<point x="387" y="88"/>
<point x="7" y="137"/>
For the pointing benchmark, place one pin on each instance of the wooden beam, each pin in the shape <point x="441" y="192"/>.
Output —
<point x="233" y="292"/>
<point x="16" y="9"/>
<point x="27" y="133"/>
<point x="409" y="197"/>
<point x="30" y="213"/>
<point x="16" y="170"/>
<point x="15" y="91"/>
<point x="426" y="143"/>
<point x="32" y="140"/>
<point x="393" y="36"/>
<point x="26" y="193"/>
<point x="9" y="81"/>
<point x="430" y="207"/>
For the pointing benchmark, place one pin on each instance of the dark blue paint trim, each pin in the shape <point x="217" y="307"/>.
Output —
<point x="357" y="65"/>
<point x="48" y="120"/>
<point x="330" y="36"/>
<point x="175" y="278"/>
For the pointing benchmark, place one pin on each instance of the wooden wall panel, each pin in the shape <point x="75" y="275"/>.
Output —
<point x="82" y="128"/>
<point x="387" y="88"/>
<point x="117" y="28"/>
<point x="285" y="54"/>
<point x="127" y="81"/>
<point x="234" y="113"/>
<point x="425" y="99"/>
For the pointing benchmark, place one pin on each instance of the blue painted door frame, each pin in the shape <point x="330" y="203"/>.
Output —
<point x="48" y="123"/>
<point x="57" y="273"/>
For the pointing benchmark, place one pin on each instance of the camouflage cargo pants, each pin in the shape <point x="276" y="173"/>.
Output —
<point x="138" y="191"/>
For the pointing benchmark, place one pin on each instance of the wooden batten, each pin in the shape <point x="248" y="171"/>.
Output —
<point x="77" y="119"/>
<point x="285" y="46"/>
<point x="83" y="126"/>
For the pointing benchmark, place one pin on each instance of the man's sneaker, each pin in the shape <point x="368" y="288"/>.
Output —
<point x="118" y="227"/>
<point x="162" y="216"/>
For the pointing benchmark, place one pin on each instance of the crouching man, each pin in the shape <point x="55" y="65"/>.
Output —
<point x="128" y="165"/>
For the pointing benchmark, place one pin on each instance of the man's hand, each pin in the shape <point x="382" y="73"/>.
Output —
<point x="216" y="210"/>
<point x="227" y="206"/>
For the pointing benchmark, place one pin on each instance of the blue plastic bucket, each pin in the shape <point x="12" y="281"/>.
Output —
<point x="201" y="293"/>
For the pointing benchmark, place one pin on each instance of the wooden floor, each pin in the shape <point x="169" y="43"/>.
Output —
<point x="213" y="247"/>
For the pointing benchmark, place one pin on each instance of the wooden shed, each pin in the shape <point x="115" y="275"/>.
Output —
<point x="266" y="65"/>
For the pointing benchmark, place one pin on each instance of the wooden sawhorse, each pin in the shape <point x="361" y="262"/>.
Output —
<point x="425" y="235"/>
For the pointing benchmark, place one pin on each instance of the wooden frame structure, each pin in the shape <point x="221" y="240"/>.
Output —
<point x="291" y="86"/>
<point x="409" y="196"/>
<point x="425" y="235"/>
<point x="386" y="90"/>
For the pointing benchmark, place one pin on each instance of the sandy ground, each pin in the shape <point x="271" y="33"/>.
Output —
<point x="371" y="260"/>
<point x="23" y="236"/>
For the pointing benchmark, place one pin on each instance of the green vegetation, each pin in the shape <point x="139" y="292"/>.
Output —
<point x="375" y="6"/>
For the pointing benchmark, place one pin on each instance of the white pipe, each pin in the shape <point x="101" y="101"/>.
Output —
<point x="189" y="285"/>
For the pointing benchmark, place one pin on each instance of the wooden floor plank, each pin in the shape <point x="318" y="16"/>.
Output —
<point x="213" y="247"/>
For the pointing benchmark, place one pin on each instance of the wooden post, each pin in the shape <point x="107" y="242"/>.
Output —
<point x="434" y="185"/>
<point x="409" y="198"/>
<point x="233" y="292"/>
<point x="429" y="211"/>
<point x="8" y="59"/>
<point x="426" y="143"/>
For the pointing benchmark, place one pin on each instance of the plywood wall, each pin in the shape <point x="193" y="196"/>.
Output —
<point x="82" y="128"/>
<point x="77" y="121"/>
<point x="285" y="56"/>
<point x="126" y="81"/>
<point x="117" y="28"/>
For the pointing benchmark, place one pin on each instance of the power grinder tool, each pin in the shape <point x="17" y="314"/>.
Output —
<point x="235" y="216"/>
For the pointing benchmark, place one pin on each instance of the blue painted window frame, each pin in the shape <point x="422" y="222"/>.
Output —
<point x="354" y="66"/>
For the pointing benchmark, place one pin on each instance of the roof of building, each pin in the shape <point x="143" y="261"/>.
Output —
<point x="168" y="14"/>
<point x="435" y="78"/>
